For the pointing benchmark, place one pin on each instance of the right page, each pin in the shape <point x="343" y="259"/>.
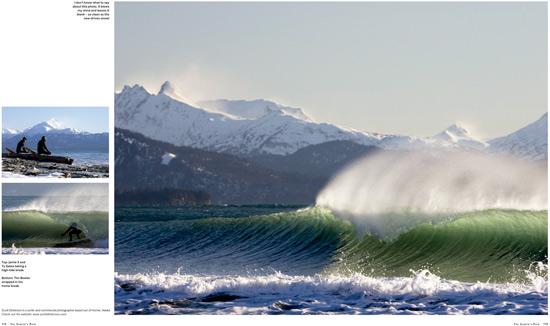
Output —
<point x="318" y="158"/>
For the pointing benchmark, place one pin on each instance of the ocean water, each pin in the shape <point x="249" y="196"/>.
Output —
<point x="37" y="222"/>
<point x="393" y="233"/>
<point x="309" y="260"/>
<point x="86" y="156"/>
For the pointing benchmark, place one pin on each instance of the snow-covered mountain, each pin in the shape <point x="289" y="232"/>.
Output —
<point x="248" y="128"/>
<point x="49" y="127"/>
<point x="457" y="134"/>
<point x="240" y="127"/>
<point x="7" y="132"/>
<point x="530" y="142"/>
<point x="58" y="136"/>
<point x="251" y="109"/>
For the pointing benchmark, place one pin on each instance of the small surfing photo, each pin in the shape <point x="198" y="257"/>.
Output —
<point x="55" y="142"/>
<point x="55" y="218"/>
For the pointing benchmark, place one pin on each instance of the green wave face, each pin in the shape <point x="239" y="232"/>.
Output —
<point x="492" y="245"/>
<point x="35" y="229"/>
<point x="496" y="246"/>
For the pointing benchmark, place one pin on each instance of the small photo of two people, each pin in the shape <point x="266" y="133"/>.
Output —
<point x="55" y="142"/>
<point x="41" y="148"/>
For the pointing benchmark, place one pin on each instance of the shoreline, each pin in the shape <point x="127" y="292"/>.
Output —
<point x="27" y="168"/>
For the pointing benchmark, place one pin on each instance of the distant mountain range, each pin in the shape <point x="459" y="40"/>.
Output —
<point x="259" y="152"/>
<point x="252" y="128"/>
<point x="263" y="127"/>
<point x="58" y="137"/>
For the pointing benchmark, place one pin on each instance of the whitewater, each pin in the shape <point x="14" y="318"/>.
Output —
<point x="412" y="233"/>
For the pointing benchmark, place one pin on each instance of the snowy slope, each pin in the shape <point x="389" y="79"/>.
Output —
<point x="48" y="127"/>
<point x="256" y="127"/>
<point x="530" y="142"/>
<point x="10" y="132"/>
<point x="251" y="109"/>
<point x="457" y="134"/>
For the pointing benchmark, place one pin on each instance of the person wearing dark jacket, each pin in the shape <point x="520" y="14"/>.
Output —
<point x="73" y="229"/>
<point x="42" y="148"/>
<point x="21" y="145"/>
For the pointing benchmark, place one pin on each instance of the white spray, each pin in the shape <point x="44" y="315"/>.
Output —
<point x="70" y="198"/>
<point x="388" y="193"/>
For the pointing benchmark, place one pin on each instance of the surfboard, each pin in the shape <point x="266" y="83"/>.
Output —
<point x="9" y="150"/>
<point x="84" y="242"/>
<point x="30" y="150"/>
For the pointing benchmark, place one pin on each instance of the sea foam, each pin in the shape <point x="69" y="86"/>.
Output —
<point x="421" y="293"/>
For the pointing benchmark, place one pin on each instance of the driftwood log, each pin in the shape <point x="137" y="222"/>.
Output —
<point x="40" y="157"/>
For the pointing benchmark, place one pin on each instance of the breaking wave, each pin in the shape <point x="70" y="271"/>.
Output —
<point x="388" y="193"/>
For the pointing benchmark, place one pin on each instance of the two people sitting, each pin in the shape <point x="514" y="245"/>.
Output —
<point x="42" y="148"/>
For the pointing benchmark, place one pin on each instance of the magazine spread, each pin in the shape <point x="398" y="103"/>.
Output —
<point x="266" y="162"/>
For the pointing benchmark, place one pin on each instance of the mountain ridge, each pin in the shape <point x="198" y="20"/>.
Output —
<point x="279" y="131"/>
<point x="252" y="128"/>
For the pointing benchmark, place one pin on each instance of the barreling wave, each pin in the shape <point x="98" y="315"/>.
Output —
<point x="34" y="229"/>
<point x="491" y="245"/>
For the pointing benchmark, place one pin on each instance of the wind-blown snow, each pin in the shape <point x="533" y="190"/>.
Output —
<point x="251" y="109"/>
<point x="169" y="90"/>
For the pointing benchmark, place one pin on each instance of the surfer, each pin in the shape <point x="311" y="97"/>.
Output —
<point x="21" y="146"/>
<point x="73" y="230"/>
<point x="42" y="148"/>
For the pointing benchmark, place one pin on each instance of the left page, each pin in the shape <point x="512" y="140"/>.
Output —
<point x="56" y="99"/>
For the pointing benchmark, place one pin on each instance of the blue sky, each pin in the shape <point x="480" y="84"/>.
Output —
<point x="405" y="68"/>
<point x="90" y="119"/>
